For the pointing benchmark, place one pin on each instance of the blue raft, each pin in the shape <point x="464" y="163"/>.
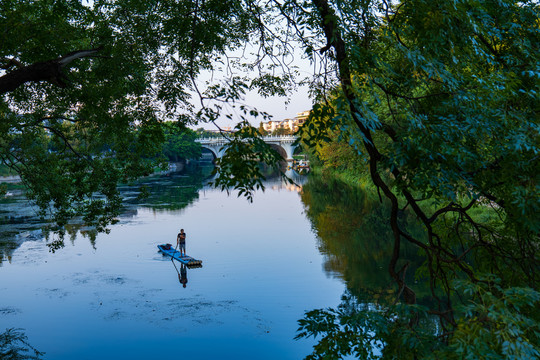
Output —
<point x="168" y="249"/>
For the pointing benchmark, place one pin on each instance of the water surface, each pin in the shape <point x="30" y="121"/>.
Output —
<point x="114" y="296"/>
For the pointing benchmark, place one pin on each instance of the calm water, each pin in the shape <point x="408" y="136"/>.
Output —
<point x="116" y="297"/>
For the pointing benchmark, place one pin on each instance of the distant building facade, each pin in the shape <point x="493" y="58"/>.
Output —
<point x="291" y="125"/>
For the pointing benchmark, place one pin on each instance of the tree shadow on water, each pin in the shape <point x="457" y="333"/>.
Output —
<point x="14" y="346"/>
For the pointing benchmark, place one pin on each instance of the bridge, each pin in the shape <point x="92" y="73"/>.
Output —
<point x="218" y="145"/>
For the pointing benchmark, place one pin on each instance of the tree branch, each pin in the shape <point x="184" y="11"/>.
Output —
<point x="50" y="71"/>
<point x="9" y="63"/>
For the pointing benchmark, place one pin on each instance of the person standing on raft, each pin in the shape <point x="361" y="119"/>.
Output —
<point x="181" y="242"/>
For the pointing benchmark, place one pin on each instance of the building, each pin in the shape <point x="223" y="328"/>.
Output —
<point x="291" y="125"/>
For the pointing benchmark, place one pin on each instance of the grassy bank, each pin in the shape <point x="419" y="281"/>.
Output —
<point x="352" y="179"/>
<point x="482" y="212"/>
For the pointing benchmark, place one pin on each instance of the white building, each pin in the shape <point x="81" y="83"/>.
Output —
<point x="288" y="124"/>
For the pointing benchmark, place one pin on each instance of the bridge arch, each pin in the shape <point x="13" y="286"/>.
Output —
<point x="285" y="145"/>
<point x="217" y="146"/>
<point x="280" y="150"/>
<point x="207" y="153"/>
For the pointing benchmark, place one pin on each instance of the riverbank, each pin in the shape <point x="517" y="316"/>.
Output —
<point x="362" y="182"/>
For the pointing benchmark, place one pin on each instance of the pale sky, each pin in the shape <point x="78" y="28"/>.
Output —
<point x="278" y="107"/>
<point x="275" y="106"/>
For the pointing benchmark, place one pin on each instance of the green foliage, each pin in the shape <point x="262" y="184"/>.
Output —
<point x="369" y="332"/>
<point x="497" y="323"/>
<point x="440" y="98"/>
<point x="338" y="157"/>
<point x="180" y="143"/>
<point x="441" y="101"/>
<point x="240" y="168"/>
<point x="14" y="346"/>
<point x="318" y="125"/>
<point x="6" y="171"/>
<point x="261" y="130"/>
<point x="73" y="136"/>
<point x="281" y="131"/>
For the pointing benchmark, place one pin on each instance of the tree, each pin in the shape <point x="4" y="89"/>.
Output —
<point x="96" y="81"/>
<point x="180" y="143"/>
<point x="261" y="129"/>
<point x="440" y="97"/>
<point x="281" y="131"/>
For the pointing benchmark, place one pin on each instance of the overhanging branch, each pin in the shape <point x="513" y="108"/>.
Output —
<point x="50" y="71"/>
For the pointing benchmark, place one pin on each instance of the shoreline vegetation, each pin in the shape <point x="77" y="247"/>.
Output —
<point x="335" y="171"/>
<point x="483" y="211"/>
<point x="6" y="172"/>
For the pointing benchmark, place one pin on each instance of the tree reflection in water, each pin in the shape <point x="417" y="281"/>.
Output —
<point x="165" y="191"/>
<point x="354" y="235"/>
<point x="14" y="346"/>
<point x="162" y="191"/>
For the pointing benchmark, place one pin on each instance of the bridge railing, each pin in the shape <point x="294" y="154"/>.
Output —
<point x="266" y="138"/>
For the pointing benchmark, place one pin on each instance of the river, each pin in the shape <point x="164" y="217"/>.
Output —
<point x="295" y="248"/>
<point x="113" y="296"/>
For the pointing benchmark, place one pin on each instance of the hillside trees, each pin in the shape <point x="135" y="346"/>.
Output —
<point x="180" y="143"/>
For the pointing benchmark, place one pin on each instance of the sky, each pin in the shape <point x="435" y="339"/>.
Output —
<point x="280" y="108"/>
<point x="275" y="106"/>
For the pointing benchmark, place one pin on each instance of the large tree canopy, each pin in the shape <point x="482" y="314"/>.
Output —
<point x="440" y="98"/>
<point x="96" y="81"/>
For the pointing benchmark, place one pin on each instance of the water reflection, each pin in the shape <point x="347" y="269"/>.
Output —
<point x="181" y="271"/>
<point x="162" y="192"/>
<point x="19" y="221"/>
<point x="185" y="263"/>
<point x="166" y="191"/>
<point x="262" y="271"/>
<point x="14" y="346"/>
<point x="354" y="235"/>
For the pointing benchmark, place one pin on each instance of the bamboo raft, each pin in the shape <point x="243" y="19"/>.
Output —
<point x="167" y="249"/>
